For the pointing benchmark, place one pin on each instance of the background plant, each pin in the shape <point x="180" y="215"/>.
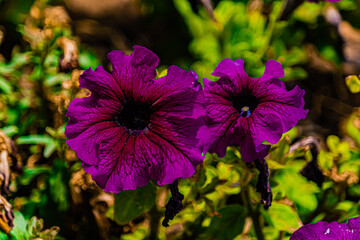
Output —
<point x="46" y="44"/>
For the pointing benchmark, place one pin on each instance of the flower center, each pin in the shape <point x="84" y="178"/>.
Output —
<point x="134" y="115"/>
<point x="245" y="103"/>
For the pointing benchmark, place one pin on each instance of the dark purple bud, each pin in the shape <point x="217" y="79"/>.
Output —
<point x="174" y="206"/>
<point x="263" y="185"/>
<point x="313" y="173"/>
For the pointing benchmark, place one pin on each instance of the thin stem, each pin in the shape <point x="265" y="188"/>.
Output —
<point x="269" y="33"/>
<point x="281" y="235"/>
<point x="155" y="216"/>
<point x="254" y="214"/>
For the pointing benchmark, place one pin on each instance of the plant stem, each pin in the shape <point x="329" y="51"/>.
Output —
<point x="281" y="235"/>
<point x="154" y="223"/>
<point x="254" y="214"/>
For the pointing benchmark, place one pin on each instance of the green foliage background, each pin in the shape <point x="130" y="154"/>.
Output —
<point x="221" y="201"/>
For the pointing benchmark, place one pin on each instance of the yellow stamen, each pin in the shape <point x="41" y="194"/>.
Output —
<point x="245" y="108"/>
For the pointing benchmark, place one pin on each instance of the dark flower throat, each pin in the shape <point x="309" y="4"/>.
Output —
<point x="245" y="103"/>
<point x="134" y="115"/>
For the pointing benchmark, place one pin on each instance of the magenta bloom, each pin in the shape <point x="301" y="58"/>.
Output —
<point x="133" y="127"/>
<point x="329" y="231"/>
<point x="245" y="111"/>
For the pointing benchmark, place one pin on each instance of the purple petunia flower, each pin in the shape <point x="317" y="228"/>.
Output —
<point x="133" y="127"/>
<point x="245" y="111"/>
<point x="329" y="231"/>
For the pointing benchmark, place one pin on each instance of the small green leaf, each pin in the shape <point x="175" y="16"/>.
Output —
<point x="352" y="129"/>
<point x="10" y="130"/>
<point x="298" y="189"/>
<point x="282" y="217"/>
<point x="274" y="165"/>
<point x="3" y="236"/>
<point x="325" y="160"/>
<point x="58" y="184"/>
<point x="333" y="142"/>
<point x="353" y="83"/>
<point x="345" y="206"/>
<point x="56" y="79"/>
<point x="230" y="223"/>
<point x="34" y="226"/>
<point x="5" y="86"/>
<point x="88" y="59"/>
<point x="50" y="148"/>
<point x="34" y="139"/>
<point x="30" y="173"/>
<point x="19" y="231"/>
<point x="162" y="73"/>
<point x="130" y="204"/>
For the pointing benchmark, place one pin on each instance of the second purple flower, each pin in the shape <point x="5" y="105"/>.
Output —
<point x="244" y="111"/>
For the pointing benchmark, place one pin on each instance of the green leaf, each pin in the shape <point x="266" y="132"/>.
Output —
<point x="30" y="173"/>
<point x="274" y="165"/>
<point x="330" y="54"/>
<point x="345" y="206"/>
<point x="130" y="204"/>
<point x="88" y="59"/>
<point x="162" y="73"/>
<point x="230" y="223"/>
<point x="19" y="231"/>
<point x="5" y="86"/>
<point x="56" y="79"/>
<point x="333" y="142"/>
<point x="3" y="236"/>
<point x="347" y="5"/>
<point x="58" y="184"/>
<point x="50" y="148"/>
<point x="352" y="129"/>
<point x="34" y="226"/>
<point x="325" y="160"/>
<point x="353" y="83"/>
<point x="282" y="217"/>
<point x="10" y="130"/>
<point x="34" y="139"/>
<point x="50" y="144"/>
<point x="298" y="189"/>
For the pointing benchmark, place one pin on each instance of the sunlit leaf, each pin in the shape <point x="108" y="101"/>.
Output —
<point x="353" y="83"/>
<point x="298" y="189"/>
<point x="50" y="148"/>
<point x="5" y="86"/>
<point x="19" y="231"/>
<point x="282" y="217"/>
<point x="34" y="139"/>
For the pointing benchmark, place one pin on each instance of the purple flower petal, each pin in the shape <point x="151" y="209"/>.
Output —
<point x="329" y="231"/>
<point x="101" y="83"/>
<point x="133" y="127"/>
<point x="220" y="119"/>
<point x="131" y="72"/>
<point x="310" y="231"/>
<point x="273" y="70"/>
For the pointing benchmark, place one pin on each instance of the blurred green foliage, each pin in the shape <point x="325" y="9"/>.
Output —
<point x="221" y="201"/>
